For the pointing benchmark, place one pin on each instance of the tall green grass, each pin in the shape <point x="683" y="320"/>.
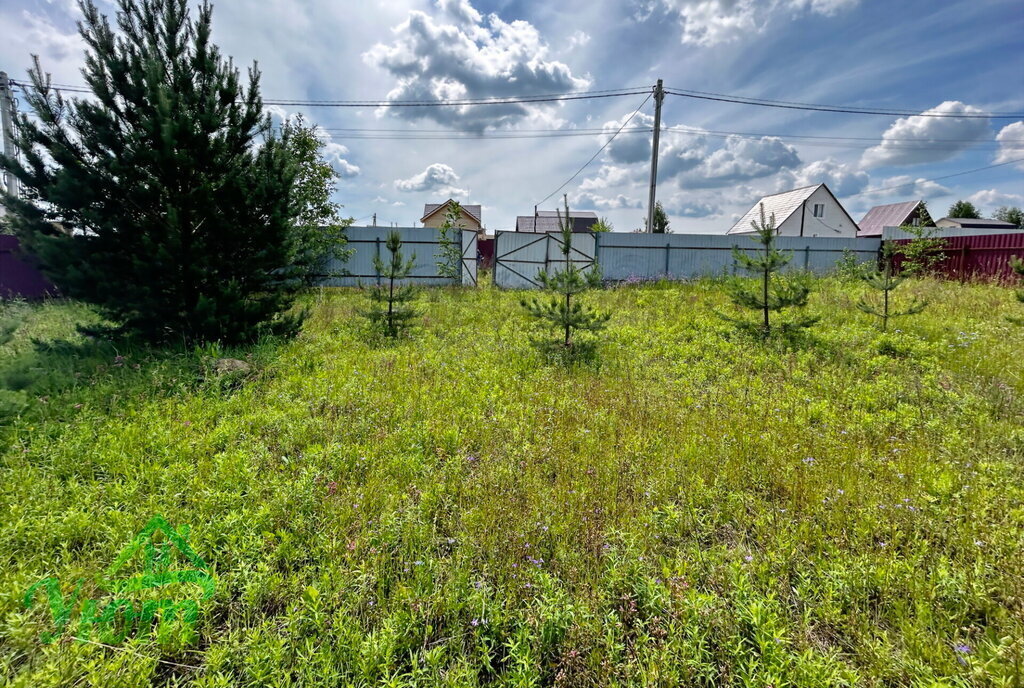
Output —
<point x="697" y="508"/>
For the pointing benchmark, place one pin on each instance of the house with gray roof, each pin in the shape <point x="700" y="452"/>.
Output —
<point x="811" y="211"/>
<point x="894" y="215"/>
<point x="548" y="221"/>
<point x="973" y="223"/>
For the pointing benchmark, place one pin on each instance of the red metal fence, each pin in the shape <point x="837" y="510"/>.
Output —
<point x="980" y="257"/>
<point x="18" y="278"/>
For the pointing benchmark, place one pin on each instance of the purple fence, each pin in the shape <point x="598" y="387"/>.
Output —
<point x="18" y="278"/>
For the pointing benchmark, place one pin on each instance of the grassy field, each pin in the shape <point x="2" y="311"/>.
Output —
<point x="696" y="509"/>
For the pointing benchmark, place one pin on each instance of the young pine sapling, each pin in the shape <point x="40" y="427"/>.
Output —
<point x="391" y="308"/>
<point x="886" y="281"/>
<point x="771" y="294"/>
<point x="562" y="311"/>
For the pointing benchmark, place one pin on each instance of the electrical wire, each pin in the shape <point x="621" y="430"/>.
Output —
<point x="599" y="150"/>
<point x="935" y="179"/>
<point x="613" y="93"/>
<point x="816" y="107"/>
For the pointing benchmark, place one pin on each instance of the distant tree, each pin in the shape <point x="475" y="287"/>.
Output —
<point x="602" y="225"/>
<point x="1014" y="215"/>
<point x="391" y="307"/>
<point x="963" y="209"/>
<point x="660" y="220"/>
<point x="772" y="293"/>
<point x="319" y="229"/>
<point x="450" y="265"/>
<point x="886" y="281"/>
<point x="176" y="204"/>
<point x="562" y="311"/>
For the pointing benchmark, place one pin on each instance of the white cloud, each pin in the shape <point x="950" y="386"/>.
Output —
<point x="628" y="147"/>
<point x="909" y="187"/>
<point x="841" y="178"/>
<point x="578" y="39"/>
<point x="990" y="199"/>
<point x="741" y="159"/>
<point x="460" y="10"/>
<point x="1011" y="144"/>
<point x="608" y="175"/>
<point x="475" y="58"/>
<point x="437" y="178"/>
<point x="684" y="205"/>
<point x="913" y="140"/>
<point x="710" y="22"/>
<point x="588" y="201"/>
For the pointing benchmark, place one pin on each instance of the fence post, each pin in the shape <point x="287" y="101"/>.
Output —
<point x="462" y="257"/>
<point x="547" y="250"/>
<point x="597" y="246"/>
<point x="668" y="253"/>
<point x="807" y="257"/>
<point x="376" y="243"/>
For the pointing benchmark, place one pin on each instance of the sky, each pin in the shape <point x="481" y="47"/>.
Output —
<point x="955" y="57"/>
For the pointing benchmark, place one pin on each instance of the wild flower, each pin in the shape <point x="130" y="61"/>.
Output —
<point x="809" y="461"/>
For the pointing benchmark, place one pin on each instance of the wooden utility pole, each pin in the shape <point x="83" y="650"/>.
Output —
<point x="659" y="95"/>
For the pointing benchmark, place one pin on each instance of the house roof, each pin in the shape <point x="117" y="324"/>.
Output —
<point x="473" y="210"/>
<point x="891" y="215"/>
<point x="782" y="205"/>
<point x="980" y="223"/>
<point x="547" y="221"/>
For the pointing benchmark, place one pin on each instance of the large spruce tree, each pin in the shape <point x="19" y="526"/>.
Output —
<point x="162" y="198"/>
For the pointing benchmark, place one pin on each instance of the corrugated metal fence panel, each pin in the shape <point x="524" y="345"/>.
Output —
<point x="469" y="257"/>
<point x="627" y="257"/>
<point x="367" y="242"/>
<point x="895" y="233"/>
<point x="984" y="256"/>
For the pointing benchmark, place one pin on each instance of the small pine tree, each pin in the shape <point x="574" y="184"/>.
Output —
<point x="773" y="294"/>
<point x="562" y="311"/>
<point x="1017" y="264"/>
<point x="450" y="265"/>
<point x="391" y="309"/>
<point x="885" y="281"/>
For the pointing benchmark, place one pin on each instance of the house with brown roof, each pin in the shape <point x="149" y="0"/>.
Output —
<point x="894" y="215"/>
<point x="811" y="211"/>
<point x="434" y="214"/>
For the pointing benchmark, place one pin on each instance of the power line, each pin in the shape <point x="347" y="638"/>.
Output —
<point x="935" y="179"/>
<point x="817" y="107"/>
<point x="457" y="102"/>
<point x="614" y="93"/>
<point x="599" y="150"/>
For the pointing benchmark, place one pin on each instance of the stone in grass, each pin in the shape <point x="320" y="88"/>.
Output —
<point x="231" y="366"/>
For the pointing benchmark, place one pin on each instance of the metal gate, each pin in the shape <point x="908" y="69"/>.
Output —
<point x="469" y="256"/>
<point x="519" y="256"/>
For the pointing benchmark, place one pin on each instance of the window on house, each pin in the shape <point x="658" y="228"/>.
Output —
<point x="916" y="222"/>
<point x="819" y="210"/>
